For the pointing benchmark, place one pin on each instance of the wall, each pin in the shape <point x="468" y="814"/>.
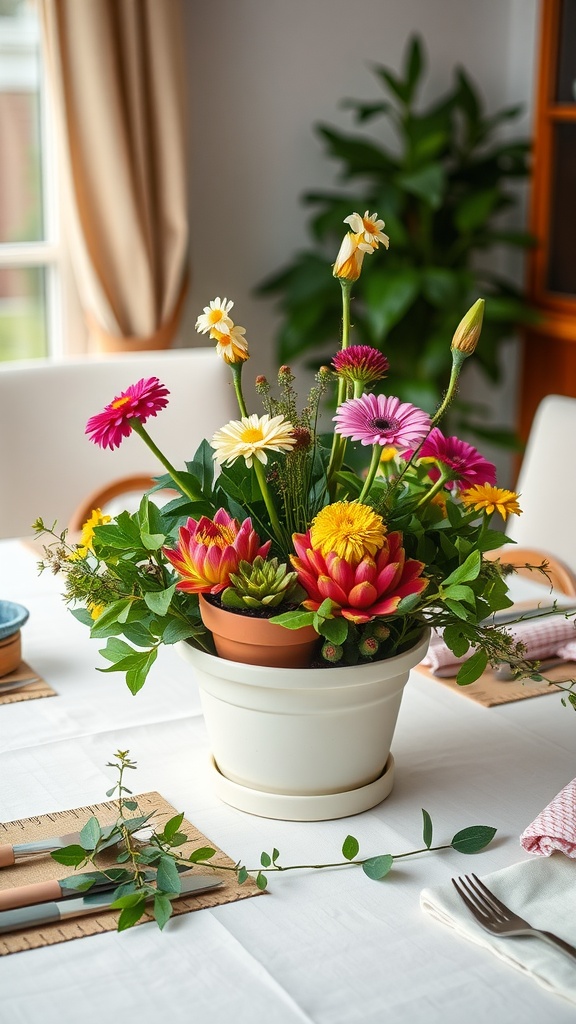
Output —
<point x="263" y="72"/>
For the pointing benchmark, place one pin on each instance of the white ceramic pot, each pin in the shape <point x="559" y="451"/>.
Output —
<point x="302" y="744"/>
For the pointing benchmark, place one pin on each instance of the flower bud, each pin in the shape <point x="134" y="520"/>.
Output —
<point x="332" y="652"/>
<point x="468" y="331"/>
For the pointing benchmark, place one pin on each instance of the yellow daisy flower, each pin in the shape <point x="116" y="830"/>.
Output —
<point x="487" y="498"/>
<point x="348" y="528"/>
<point x="350" y="257"/>
<point x="252" y="437"/>
<point x="85" y="545"/>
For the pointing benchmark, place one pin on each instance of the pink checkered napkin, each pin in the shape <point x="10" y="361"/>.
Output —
<point x="555" y="826"/>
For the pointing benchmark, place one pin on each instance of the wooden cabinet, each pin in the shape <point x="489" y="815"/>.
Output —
<point x="549" y="360"/>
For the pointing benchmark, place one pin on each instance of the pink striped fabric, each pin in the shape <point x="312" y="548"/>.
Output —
<point x="542" y="638"/>
<point x="555" y="826"/>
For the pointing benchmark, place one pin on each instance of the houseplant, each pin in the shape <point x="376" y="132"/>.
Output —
<point x="366" y="562"/>
<point x="445" y="179"/>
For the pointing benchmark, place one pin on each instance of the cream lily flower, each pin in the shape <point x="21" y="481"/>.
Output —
<point x="370" y="227"/>
<point x="251" y="437"/>
<point x="215" y="317"/>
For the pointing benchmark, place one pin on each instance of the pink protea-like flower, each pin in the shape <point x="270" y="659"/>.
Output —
<point x="138" y="402"/>
<point x="361" y="363"/>
<point x="465" y="464"/>
<point x="373" y="587"/>
<point x="376" y="419"/>
<point x="209" y="550"/>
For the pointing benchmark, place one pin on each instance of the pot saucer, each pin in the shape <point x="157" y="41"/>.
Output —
<point x="284" y="807"/>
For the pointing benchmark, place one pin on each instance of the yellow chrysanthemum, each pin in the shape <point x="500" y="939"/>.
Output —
<point x="95" y="609"/>
<point x="350" y="529"/>
<point x="487" y="498"/>
<point x="85" y="545"/>
<point x="231" y="346"/>
<point x="388" y="453"/>
<point x="251" y="437"/>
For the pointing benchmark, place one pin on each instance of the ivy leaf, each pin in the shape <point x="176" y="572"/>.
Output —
<point x="350" y="848"/>
<point x="167" y="877"/>
<point x="204" y="853"/>
<point x="162" y="909"/>
<point x="130" y="915"/>
<point x="426" y="829"/>
<point x="72" y="856"/>
<point x="472" y="669"/>
<point x="378" y="867"/>
<point x="90" y="834"/>
<point x="473" y="839"/>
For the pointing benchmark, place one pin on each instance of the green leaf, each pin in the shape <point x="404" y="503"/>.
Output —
<point x="350" y="848"/>
<point x="388" y="296"/>
<point x="458" y="592"/>
<point x="378" y="867"/>
<point x="159" y="601"/>
<point x="167" y="876"/>
<point x="472" y="669"/>
<point x="204" y="853"/>
<point x="294" y="620"/>
<point x="335" y="630"/>
<point x="152" y="541"/>
<point x="130" y="915"/>
<point x="469" y="570"/>
<point x="265" y="860"/>
<point x="73" y="855"/>
<point x="261" y="881"/>
<point x="131" y="805"/>
<point x="162" y="909"/>
<point x="428" y="183"/>
<point x="456" y="641"/>
<point x="473" y="839"/>
<point x="171" y="827"/>
<point x="90" y="834"/>
<point x="426" y="829"/>
<point x="177" y="630"/>
<point x="242" y="875"/>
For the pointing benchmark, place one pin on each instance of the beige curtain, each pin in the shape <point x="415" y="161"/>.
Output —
<point x="117" y="74"/>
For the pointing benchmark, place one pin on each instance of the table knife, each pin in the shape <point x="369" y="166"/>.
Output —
<point x="62" y="910"/>
<point x="56" y="889"/>
<point x="10" y="853"/>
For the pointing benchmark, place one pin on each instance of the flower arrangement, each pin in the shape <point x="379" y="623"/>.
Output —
<point x="369" y="534"/>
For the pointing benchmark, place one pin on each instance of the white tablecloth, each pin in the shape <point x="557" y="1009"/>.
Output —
<point x="328" y="947"/>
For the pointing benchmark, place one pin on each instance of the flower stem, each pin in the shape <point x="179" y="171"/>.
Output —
<point x="237" y="379"/>
<point x="458" y="358"/>
<point x="434" y="490"/>
<point x="339" y="443"/>
<point x="265" y="491"/>
<point x="184" y="486"/>
<point x="372" y="470"/>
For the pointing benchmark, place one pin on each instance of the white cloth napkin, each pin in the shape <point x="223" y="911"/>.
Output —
<point x="555" y="826"/>
<point x="543" y="892"/>
<point x="543" y="638"/>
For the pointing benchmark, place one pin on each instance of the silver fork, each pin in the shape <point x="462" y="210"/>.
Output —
<point x="495" y="917"/>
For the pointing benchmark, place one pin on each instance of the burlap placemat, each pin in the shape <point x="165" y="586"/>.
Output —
<point x="42" y="868"/>
<point x="490" y="691"/>
<point x="38" y="687"/>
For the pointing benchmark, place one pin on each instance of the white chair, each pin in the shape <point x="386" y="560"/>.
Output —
<point x="547" y="484"/>
<point x="48" y="466"/>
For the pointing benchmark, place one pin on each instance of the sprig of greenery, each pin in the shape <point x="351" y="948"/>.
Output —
<point x="148" y="870"/>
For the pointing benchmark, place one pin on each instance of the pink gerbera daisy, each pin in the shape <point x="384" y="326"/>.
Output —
<point x="138" y="402"/>
<point x="465" y="464"/>
<point x="376" y="419"/>
<point x="360" y="363"/>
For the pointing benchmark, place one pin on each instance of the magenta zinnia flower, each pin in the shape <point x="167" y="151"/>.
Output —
<point x="376" y="419"/>
<point x="360" y="363"/>
<point x="373" y="587"/>
<point x="465" y="464"/>
<point x="139" y="401"/>
<point x="209" y="550"/>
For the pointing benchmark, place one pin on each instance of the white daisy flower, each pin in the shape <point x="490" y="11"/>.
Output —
<point x="251" y="437"/>
<point x="215" y="317"/>
<point x="370" y="227"/>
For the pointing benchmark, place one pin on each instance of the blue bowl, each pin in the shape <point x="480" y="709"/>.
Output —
<point x="12" y="617"/>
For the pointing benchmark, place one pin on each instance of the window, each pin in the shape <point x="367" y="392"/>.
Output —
<point x="30" y="278"/>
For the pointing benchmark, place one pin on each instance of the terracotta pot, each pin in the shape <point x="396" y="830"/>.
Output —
<point x="302" y="744"/>
<point x="255" y="641"/>
<point x="10" y="653"/>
